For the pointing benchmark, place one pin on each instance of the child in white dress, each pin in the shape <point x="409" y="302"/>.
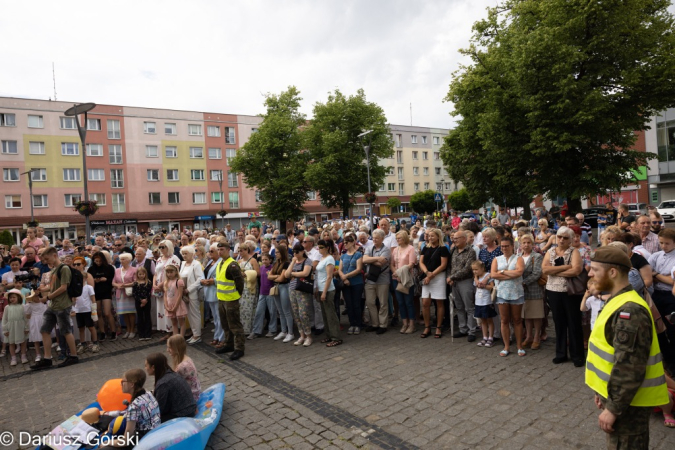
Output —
<point x="35" y="308"/>
<point x="15" y="325"/>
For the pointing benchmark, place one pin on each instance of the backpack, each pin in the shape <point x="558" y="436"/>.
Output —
<point x="76" y="284"/>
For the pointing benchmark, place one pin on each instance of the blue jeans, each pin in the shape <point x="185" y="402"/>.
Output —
<point x="218" y="333"/>
<point x="265" y="301"/>
<point x="283" y="304"/>
<point x="406" y="307"/>
<point x="352" y="295"/>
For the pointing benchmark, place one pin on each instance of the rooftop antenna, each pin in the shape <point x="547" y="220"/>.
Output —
<point x="54" y="79"/>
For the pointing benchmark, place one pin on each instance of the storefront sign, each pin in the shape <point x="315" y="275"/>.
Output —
<point x="46" y="225"/>
<point x="198" y="218"/>
<point x="99" y="223"/>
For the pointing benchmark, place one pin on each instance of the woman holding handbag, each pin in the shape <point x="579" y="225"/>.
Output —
<point x="251" y="271"/>
<point x="560" y="263"/>
<point x="301" y="290"/>
<point x="281" y="295"/>
<point x="533" y="309"/>
<point x="126" y="304"/>
<point x="191" y="271"/>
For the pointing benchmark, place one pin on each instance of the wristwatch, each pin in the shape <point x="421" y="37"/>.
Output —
<point x="501" y="271"/>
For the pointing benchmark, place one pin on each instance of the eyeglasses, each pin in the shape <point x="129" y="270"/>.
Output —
<point x="321" y="247"/>
<point x="162" y="247"/>
<point x="562" y="237"/>
<point x="654" y="222"/>
<point x="77" y="264"/>
<point x="124" y="381"/>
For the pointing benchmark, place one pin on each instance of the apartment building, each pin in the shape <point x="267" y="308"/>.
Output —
<point x="158" y="168"/>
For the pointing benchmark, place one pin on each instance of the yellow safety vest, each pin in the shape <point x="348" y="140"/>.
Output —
<point x="600" y="359"/>
<point x="225" y="288"/>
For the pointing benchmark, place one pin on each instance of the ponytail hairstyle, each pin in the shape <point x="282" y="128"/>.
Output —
<point x="160" y="364"/>
<point x="137" y="377"/>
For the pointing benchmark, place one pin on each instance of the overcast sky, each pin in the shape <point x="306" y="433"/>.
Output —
<point x="222" y="56"/>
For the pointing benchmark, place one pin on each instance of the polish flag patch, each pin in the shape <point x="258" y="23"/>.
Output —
<point x="624" y="315"/>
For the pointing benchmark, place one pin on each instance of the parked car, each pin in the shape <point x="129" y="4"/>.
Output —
<point x="591" y="215"/>
<point x="637" y="208"/>
<point x="667" y="210"/>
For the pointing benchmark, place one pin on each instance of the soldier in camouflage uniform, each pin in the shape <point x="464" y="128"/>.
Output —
<point x="629" y="382"/>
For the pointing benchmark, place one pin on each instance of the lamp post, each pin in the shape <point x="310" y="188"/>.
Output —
<point x="222" y="208"/>
<point x="443" y="192"/>
<point x="30" y="191"/>
<point x="83" y="108"/>
<point x="366" y="148"/>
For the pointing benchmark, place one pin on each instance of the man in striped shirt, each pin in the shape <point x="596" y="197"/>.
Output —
<point x="650" y="240"/>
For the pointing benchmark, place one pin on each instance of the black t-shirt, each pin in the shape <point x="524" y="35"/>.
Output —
<point x="432" y="256"/>
<point x="102" y="290"/>
<point x="611" y="217"/>
<point x="628" y="219"/>
<point x="638" y="261"/>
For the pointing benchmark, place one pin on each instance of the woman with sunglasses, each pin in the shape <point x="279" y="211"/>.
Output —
<point x="324" y="272"/>
<point x="561" y="262"/>
<point x="166" y="256"/>
<point x="103" y="274"/>
<point x="125" y="276"/>
<point x="508" y="270"/>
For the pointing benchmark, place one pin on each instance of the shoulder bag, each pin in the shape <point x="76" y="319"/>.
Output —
<point x="374" y="271"/>
<point x="305" y="284"/>
<point x="577" y="285"/>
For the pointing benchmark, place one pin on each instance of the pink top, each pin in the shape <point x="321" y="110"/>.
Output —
<point x="36" y="244"/>
<point x="403" y="257"/>
<point x="129" y="277"/>
<point x="188" y="371"/>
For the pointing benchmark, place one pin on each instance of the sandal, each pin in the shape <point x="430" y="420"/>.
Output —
<point x="521" y="352"/>
<point x="426" y="334"/>
<point x="439" y="334"/>
<point x="535" y="345"/>
<point x="504" y="353"/>
<point x="490" y="342"/>
<point x="482" y="343"/>
<point x="323" y="341"/>
<point x="334" y="343"/>
<point x="669" y="420"/>
<point x="214" y="343"/>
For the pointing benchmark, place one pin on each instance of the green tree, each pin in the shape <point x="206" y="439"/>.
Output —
<point x="273" y="159"/>
<point x="423" y="202"/>
<point x="553" y="94"/>
<point x="393" y="203"/>
<point x="461" y="201"/>
<point x="6" y="239"/>
<point x="336" y="170"/>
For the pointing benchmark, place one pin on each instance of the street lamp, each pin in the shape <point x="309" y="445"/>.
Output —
<point x="222" y="208"/>
<point x="30" y="191"/>
<point x="366" y="148"/>
<point x="83" y="108"/>
<point x="443" y="192"/>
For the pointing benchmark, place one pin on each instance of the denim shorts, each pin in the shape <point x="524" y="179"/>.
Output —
<point x="503" y="301"/>
<point x="62" y="317"/>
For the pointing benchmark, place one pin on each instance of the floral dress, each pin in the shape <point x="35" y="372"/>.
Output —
<point x="158" y="292"/>
<point x="173" y="301"/>
<point x="248" y="301"/>
<point x="188" y="371"/>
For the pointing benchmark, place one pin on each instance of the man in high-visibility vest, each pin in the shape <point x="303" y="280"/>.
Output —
<point x="229" y="286"/>
<point x="624" y="364"/>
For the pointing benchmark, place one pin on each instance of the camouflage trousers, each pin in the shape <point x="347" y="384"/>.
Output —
<point x="631" y="430"/>
<point x="230" y="320"/>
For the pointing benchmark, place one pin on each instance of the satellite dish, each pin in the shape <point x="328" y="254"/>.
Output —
<point x="80" y="109"/>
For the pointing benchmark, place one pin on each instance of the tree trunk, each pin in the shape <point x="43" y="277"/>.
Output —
<point x="573" y="206"/>
<point x="527" y="212"/>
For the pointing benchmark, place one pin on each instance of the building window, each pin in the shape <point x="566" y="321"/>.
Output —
<point x="401" y="189"/>
<point x="215" y="175"/>
<point x="171" y="152"/>
<point x="36" y="148"/>
<point x="400" y="173"/>
<point x="416" y="186"/>
<point x="415" y="156"/>
<point x="149" y="127"/>
<point x="10" y="174"/>
<point x="71" y="199"/>
<point x="38" y="175"/>
<point x="215" y="153"/>
<point x="172" y="175"/>
<point x="197" y="175"/>
<point x="194" y="129"/>
<point x="94" y="150"/>
<point x="196" y="152"/>
<point x="234" y="200"/>
<point x="425" y="156"/>
<point x="170" y="128"/>
<point x="399" y="156"/>
<point x="232" y="180"/>
<point x="229" y="135"/>
<point x="95" y="175"/>
<point x="7" y="120"/>
<point x="229" y="154"/>
<point x="426" y="186"/>
<point x="118" y="205"/>
<point x="424" y="139"/>
<point x="94" y="124"/>
<point x="35" y="121"/>
<point x="151" y="151"/>
<point x="413" y="138"/>
<point x="98" y="198"/>
<point x="258" y="198"/>
<point x="154" y="198"/>
<point x="117" y="178"/>
<point x="437" y="156"/>
<point x="114" y="131"/>
<point x="416" y="170"/>
<point x="70" y="149"/>
<point x="115" y="154"/>
<point x="425" y="171"/>
<point x="439" y="186"/>
<point x="436" y="140"/>
<point x="390" y="171"/>
<point x="174" y="198"/>
<point x="67" y="123"/>
<point x="9" y="148"/>
<point x="399" y="140"/>
<point x="213" y="131"/>
<point x="40" y="201"/>
<point x="447" y="186"/>
<point x="12" y="201"/>
<point x="216" y="197"/>
<point x="391" y="187"/>
<point x="438" y="170"/>
<point x="153" y="174"/>
<point x="71" y="174"/>
<point x="199" y="198"/>
<point x="311" y="195"/>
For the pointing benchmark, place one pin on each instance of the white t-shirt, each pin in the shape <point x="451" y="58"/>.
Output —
<point x="478" y="239"/>
<point x="83" y="302"/>
<point x="322" y="274"/>
<point x="594" y="305"/>
<point x="390" y="240"/>
<point x="483" y="296"/>
<point x="9" y="276"/>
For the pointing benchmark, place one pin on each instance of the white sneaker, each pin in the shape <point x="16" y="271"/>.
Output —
<point x="132" y="335"/>
<point x="125" y="335"/>
<point x="280" y="336"/>
<point x="13" y="362"/>
<point x="308" y="342"/>
<point x="270" y="334"/>
<point x="299" y="341"/>
<point x="38" y="358"/>
<point x="251" y="336"/>
<point x="289" y="337"/>
<point x="24" y="359"/>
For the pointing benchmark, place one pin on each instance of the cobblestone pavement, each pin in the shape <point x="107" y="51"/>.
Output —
<point x="387" y="391"/>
